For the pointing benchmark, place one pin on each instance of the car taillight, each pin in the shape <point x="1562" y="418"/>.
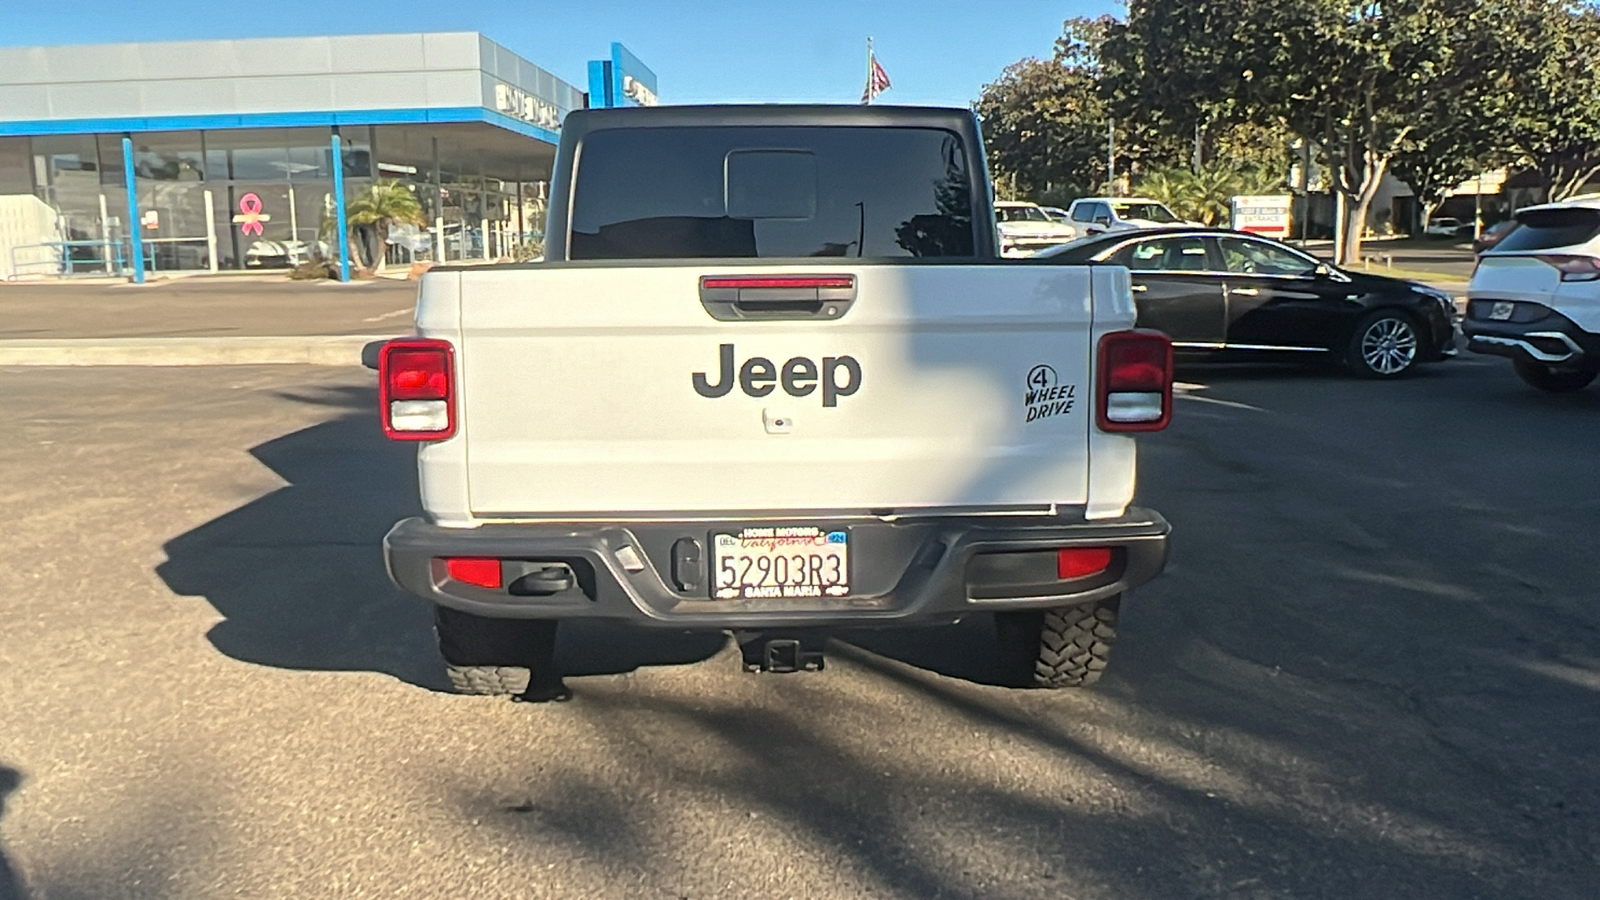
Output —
<point x="1134" y="389"/>
<point x="416" y="389"/>
<point x="1574" y="268"/>
<point x="1079" y="562"/>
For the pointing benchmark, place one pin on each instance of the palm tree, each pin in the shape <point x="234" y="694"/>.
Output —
<point x="373" y="211"/>
<point x="1207" y="196"/>
<point x="1176" y="188"/>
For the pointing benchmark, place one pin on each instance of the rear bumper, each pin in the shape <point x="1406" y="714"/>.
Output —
<point x="1553" y="340"/>
<point x="923" y="571"/>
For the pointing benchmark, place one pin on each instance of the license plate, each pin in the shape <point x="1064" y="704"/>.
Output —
<point x="781" y="561"/>
<point x="1501" y="311"/>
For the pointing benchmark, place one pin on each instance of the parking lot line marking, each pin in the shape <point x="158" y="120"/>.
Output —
<point x="1189" y="396"/>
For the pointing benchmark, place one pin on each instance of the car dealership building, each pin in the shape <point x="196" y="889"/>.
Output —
<point x="249" y="153"/>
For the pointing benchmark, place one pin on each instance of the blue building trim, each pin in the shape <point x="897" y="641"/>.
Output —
<point x="455" y="115"/>
<point x="338" y="205"/>
<point x="134" y="224"/>
<point x="600" y="96"/>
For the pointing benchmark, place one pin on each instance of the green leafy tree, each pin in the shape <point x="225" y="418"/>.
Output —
<point x="1539" y="86"/>
<point x="1263" y="150"/>
<point x="1355" y="78"/>
<point x="1044" y="123"/>
<point x="1047" y="125"/>
<point x="1434" y="165"/>
<point x="371" y="213"/>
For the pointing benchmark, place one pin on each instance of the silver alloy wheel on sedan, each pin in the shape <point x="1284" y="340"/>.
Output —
<point x="1389" y="345"/>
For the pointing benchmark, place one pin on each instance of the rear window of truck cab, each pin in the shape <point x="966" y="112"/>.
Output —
<point x="771" y="192"/>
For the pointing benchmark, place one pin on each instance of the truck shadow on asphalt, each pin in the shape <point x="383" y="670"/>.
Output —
<point x="298" y="574"/>
<point x="10" y="881"/>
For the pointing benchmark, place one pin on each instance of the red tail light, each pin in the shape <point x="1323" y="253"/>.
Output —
<point x="1134" y="389"/>
<point x="1078" y="562"/>
<point x="474" y="570"/>
<point x="1574" y="268"/>
<point x="416" y="389"/>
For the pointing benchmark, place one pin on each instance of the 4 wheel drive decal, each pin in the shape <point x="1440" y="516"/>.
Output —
<point x="1045" y="396"/>
<point x="799" y="377"/>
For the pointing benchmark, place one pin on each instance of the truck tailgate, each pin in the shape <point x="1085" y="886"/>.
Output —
<point x="594" y="389"/>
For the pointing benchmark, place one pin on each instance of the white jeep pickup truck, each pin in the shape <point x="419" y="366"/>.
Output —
<point x="773" y="377"/>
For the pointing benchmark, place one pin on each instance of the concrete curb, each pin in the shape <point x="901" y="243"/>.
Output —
<point x="301" y="350"/>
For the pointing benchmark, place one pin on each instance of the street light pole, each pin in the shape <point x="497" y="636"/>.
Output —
<point x="1111" y="157"/>
<point x="1477" y="208"/>
<point x="1338" y="228"/>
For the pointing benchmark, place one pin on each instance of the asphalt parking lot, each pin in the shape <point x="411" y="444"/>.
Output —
<point x="1372" y="670"/>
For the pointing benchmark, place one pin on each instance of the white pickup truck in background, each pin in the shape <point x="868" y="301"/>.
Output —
<point x="774" y="378"/>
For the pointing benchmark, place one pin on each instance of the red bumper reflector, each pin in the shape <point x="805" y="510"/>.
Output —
<point x="1077" y="562"/>
<point x="474" y="570"/>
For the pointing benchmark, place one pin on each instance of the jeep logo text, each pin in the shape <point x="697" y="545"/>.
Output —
<point x="838" y="376"/>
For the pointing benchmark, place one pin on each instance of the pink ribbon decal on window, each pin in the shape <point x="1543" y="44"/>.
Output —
<point x="250" y="215"/>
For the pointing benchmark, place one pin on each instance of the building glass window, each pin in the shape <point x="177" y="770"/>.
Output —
<point x="111" y="165"/>
<point x="168" y="157"/>
<point x="263" y="198"/>
<point x="356" y="144"/>
<point x="16" y="171"/>
<point x="66" y="170"/>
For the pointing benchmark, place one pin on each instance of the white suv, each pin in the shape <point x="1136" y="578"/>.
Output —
<point x="1535" y="296"/>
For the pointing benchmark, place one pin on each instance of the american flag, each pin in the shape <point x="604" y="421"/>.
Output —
<point x="876" y="84"/>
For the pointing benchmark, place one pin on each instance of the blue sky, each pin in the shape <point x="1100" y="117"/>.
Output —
<point x="937" y="52"/>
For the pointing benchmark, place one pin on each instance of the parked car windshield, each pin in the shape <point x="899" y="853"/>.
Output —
<point x="771" y="191"/>
<point x="1547" y="229"/>
<point x="1020" y="214"/>
<point x="1149" y="212"/>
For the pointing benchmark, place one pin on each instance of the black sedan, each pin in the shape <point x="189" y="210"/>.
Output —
<point x="1235" y="294"/>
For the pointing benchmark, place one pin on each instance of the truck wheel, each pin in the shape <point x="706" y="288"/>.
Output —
<point x="492" y="657"/>
<point x="1556" y="381"/>
<point x="1384" y="345"/>
<point x="1068" y="646"/>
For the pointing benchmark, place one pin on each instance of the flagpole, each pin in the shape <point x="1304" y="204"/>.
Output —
<point x="869" y="70"/>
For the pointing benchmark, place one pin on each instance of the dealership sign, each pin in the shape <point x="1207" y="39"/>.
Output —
<point x="1266" y="215"/>
<point x="520" y="104"/>
<point x="637" y="91"/>
<point x="621" y="80"/>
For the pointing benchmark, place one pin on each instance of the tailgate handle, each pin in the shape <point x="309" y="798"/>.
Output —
<point x="731" y="298"/>
<point x="768" y="307"/>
